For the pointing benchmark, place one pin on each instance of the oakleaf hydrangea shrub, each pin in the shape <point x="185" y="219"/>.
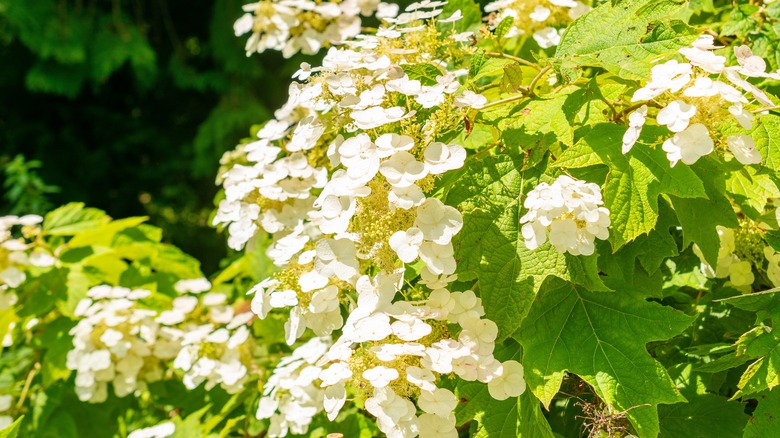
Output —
<point x="544" y="218"/>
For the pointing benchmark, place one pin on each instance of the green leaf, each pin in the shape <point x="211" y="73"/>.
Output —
<point x="49" y="76"/>
<point x="513" y="78"/>
<point x="765" y="304"/>
<point x="7" y="317"/>
<point x="741" y="21"/>
<point x="652" y="249"/>
<point x="765" y="421"/>
<point x="751" y="190"/>
<point x="546" y="116"/>
<point x="767" y="137"/>
<point x="12" y="431"/>
<point x="42" y="293"/>
<point x="772" y="238"/>
<point x="111" y="49"/>
<point x="77" y="283"/>
<point x="764" y="373"/>
<point x="703" y="416"/>
<point x="624" y="37"/>
<point x="73" y="218"/>
<point x="634" y="181"/>
<point x="191" y="426"/>
<point x="350" y="423"/>
<point x="504" y="26"/>
<point x="491" y="249"/>
<point x="699" y="218"/>
<point x="600" y="337"/>
<point x="472" y="16"/>
<point x="57" y="342"/>
<point x="489" y="67"/>
<point x="172" y="260"/>
<point x="425" y="73"/>
<point x="477" y="61"/>
<point x="104" y="234"/>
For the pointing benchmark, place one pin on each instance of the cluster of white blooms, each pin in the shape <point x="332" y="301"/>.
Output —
<point x="571" y="211"/>
<point x="16" y="254"/>
<point x="341" y="179"/>
<point x="116" y="341"/>
<point x="547" y="19"/>
<point x="397" y="350"/>
<point x="307" y="26"/>
<point x="162" y="430"/>
<point x="215" y="341"/>
<point x="292" y="396"/>
<point x="278" y="183"/>
<point x="694" y="98"/>
<point x="729" y="265"/>
<point x="6" y="402"/>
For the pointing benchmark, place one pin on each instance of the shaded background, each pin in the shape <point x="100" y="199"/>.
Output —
<point x="127" y="105"/>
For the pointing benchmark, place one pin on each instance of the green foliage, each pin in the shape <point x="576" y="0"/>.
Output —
<point x="623" y="37"/>
<point x="572" y="329"/>
<point x="768" y="140"/>
<point x="12" y="431"/>
<point x="25" y="190"/>
<point x="128" y="106"/>
<point x="765" y="420"/>
<point x="656" y="333"/>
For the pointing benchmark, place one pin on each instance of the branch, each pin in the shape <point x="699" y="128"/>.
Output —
<point x="513" y="58"/>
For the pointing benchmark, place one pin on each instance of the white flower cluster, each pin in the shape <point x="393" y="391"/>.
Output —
<point x="397" y="350"/>
<point x="292" y="395"/>
<point x="694" y="98"/>
<point x="215" y="341"/>
<point x="570" y="211"/>
<point x="307" y="26"/>
<point x="547" y="19"/>
<point x="729" y="265"/>
<point x="116" y="341"/>
<point x="16" y="254"/>
<point x="273" y="185"/>
<point x="341" y="180"/>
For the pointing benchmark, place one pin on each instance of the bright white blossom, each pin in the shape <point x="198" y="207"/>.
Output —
<point x="688" y="145"/>
<point x="744" y="149"/>
<point x="636" y="120"/>
<point x="569" y="213"/>
<point x="509" y="383"/>
<point x="676" y="115"/>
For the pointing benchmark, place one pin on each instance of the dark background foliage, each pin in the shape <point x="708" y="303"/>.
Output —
<point x="128" y="106"/>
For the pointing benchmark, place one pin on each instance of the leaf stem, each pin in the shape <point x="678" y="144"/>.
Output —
<point x="526" y="92"/>
<point x="27" y="384"/>
<point x="514" y="58"/>
<point x="536" y="79"/>
<point x="768" y="108"/>
<point x="627" y="110"/>
<point x="503" y="101"/>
